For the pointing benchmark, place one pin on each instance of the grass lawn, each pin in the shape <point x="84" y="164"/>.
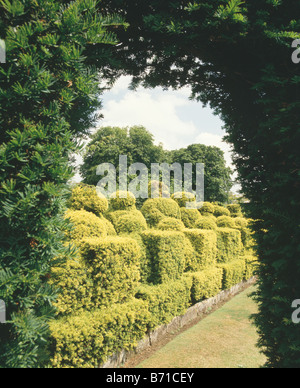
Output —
<point x="224" y="339"/>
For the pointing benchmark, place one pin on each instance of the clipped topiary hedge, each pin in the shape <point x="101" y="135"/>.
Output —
<point x="155" y="209"/>
<point x="191" y="257"/>
<point x="167" y="300"/>
<point x="110" y="229"/>
<point x="206" y="284"/>
<point x="122" y="200"/>
<point x="220" y="211"/>
<point x="207" y="209"/>
<point x="88" y="339"/>
<point x="190" y="217"/>
<point x="205" y="244"/>
<point x="235" y="210"/>
<point x="127" y="222"/>
<point x="166" y="255"/>
<point x="252" y="264"/>
<point x="114" y="266"/>
<point x="85" y="197"/>
<point x="75" y="285"/>
<point x="169" y="223"/>
<point x="229" y="244"/>
<point x="85" y="224"/>
<point x="233" y="273"/>
<point x="206" y="223"/>
<point x="242" y="224"/>
<point x="183" y="198"/>
<point x="226" y="222"/>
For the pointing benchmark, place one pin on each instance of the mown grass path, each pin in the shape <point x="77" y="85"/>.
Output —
<point x="224" y="339"/>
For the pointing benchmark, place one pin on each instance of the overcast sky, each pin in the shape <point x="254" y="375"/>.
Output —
<point x="170" y="116"/>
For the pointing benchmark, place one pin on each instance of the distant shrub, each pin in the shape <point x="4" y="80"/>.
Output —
<point x="190" y="217"/>
<point x="166" y="300"/>
<point x="155" y="209"/>
<point x="226" y="222"/>
<point x="85" y="224"/>
<point x="85" y="197"/>
<point x="241" y="222"/>
<point x="88" y="339"/>
<point x="122" y="200"/>
<point x="169" y="223"/>
<point x="220" y="211"/>
<point x="207" y="209"/>
<point x="204" y="243"/>
<point x="206" y="223"/>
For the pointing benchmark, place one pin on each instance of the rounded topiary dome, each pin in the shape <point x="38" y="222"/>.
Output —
<point x="206" y="223"/>
<point x="85" y="197"/>
<point x="207" y="209"/>
<point x="226" y="222"/>
<point x="221" y="211"/>
<point x="169" y="223"/>
<point x="122" y="200"/>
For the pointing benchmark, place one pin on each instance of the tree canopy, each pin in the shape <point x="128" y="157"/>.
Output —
<point x="217" y="176"/>
<point x="235" y="55"/>
<point x="109" y="143"/>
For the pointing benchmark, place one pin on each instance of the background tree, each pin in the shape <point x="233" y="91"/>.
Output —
<point x="109" y="143"/>
<point x="48" y="95"/>
<point x="236" y="56"/>
<point x="217" y="178"/>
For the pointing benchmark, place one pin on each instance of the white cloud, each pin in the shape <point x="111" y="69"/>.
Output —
<point x="155" y="111"/>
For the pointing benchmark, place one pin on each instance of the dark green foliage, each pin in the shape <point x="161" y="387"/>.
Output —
<point x="48" y="96"/>
<point x="217" y="179"/>
<point x="109" y="143"/>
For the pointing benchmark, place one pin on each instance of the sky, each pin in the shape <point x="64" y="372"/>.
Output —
<point x="173" y="119"/>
